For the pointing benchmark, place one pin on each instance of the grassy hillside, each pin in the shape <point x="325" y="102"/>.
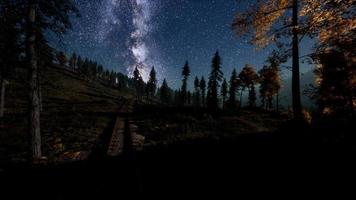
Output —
<point x="75" y="112"/>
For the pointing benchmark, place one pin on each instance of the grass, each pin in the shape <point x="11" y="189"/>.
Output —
<point x="76" y="110"/>
<point x="167" y="125"/>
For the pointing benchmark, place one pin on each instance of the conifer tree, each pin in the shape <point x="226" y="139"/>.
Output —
<point x="165" y="93"/>
<point x="252" y="96"/>
<point x="215" y="78"/>
<point x="197" y="92"/>
<point x="185" y="74"/>
<point x="152" y="84"/>
<point x="234" y="85"/>
<point x="41" y="16"/>
<point x="223" y="92"/>
<point x="139" y="84"/>
<point x="202" y="85"/>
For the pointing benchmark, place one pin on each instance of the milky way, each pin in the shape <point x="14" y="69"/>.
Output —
<point x="125" y="34"/>
<point x="141" y="23"/>
<point x="137" y="15"/>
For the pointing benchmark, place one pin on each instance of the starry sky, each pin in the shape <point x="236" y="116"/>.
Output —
<point x="123" y="34"/>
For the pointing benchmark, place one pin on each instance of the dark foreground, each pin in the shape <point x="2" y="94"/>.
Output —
<point x="278" y="163"/>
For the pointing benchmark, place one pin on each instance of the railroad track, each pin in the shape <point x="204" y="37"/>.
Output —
<point x="124" y="127"/>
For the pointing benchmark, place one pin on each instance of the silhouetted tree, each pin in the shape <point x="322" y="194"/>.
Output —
<point x="215" y="78"/>
<point x="73" y="61"/>
<point x="152" y="83"/>
<point x="189" y="98"/>
<point x="177" y="98"/>
<point x="112" y="78"/>
<point x="248" y="78"/>
<point x="224" y="92"/>
<point x="100" y="71"/>
<point x="62" y="58"/>
<point x="165" y="93"/>
<point x="202" y="86"/>
<point x="94" y="71"/>
<point x="197" y="94"/>
<point x="336" y="88"/>
<point x="234" y="86"/>
<point x="85" y="67"/>
<point x="139" y="83"/>
<point x="185" y="74"/>
<point x="79" y="63"/>
<point x="270" y="84"/>
<point x="42" y="16"/>
<point x="252" y="96"/>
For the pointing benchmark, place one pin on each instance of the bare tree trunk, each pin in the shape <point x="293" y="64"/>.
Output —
<point x="297" y="107"/>
<point x="223" y="102"/>
<point x="39" y="89"/>
<point x="34" y="86"/>
<point x="2" y="98"/>
<point x="277" y="102"/>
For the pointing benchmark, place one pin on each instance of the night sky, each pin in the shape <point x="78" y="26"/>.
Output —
<point x="122" y="34"/>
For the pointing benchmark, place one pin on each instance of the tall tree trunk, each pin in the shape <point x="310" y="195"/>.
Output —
<point x="277" y="102"/>
<point x="2" y="96"/>
<point x="297" y="107"/>
<point x="35" y="105"/>
<point x="241" y="99"/>
<point x="39" y="88"/>
<point x="223" y="103"/>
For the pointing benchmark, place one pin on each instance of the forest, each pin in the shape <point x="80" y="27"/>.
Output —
<point x="65" y="117"/>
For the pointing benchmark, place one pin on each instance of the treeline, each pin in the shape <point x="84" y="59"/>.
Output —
<point x="93" y="70"/>
<point x="216" y="92"/>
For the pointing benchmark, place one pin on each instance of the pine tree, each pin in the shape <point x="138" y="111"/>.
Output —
<point x="112" y="77"/>
<point x="185" y="74"/>
<point x="85" y="67"/>
<point x="152" y="83"/>
<point x="234" y="85"/>
<point x="73" y="61"/>
<point x="215" y="78"/>
<point x="189" y="98"/>
<point x="139" y="84"/>
<point x="165" y="93"/>
<point x="100" y="71"/>
<point x="177" y="97"/>
<point x="53" y="16"/>
<point x="202" y="86"/>
<point x="224" y="92"/>
<point x="62" y="58"/>
<point x="197" y="93"/>
<point x="80" y="64"/>
<point x="106" y="75"/>
<point x="94" y="70"/>
<point x="252" y="96"/>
